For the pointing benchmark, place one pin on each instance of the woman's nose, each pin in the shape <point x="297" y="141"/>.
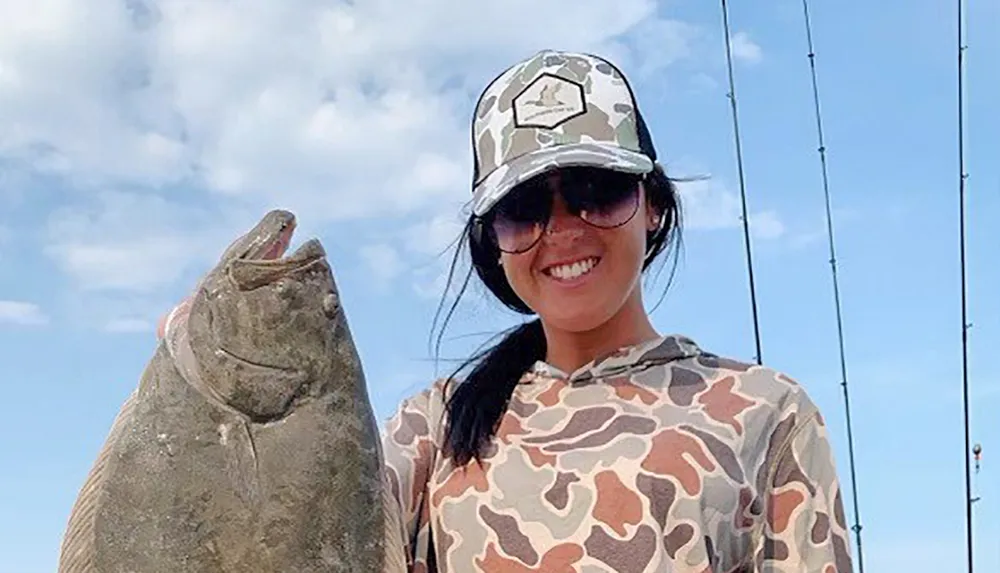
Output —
<point x="563" y="225"/>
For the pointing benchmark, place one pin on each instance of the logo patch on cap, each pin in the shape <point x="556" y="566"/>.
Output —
<point x="548" y="102"/>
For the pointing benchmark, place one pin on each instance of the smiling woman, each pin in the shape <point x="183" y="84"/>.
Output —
<point x="586" y="440"/>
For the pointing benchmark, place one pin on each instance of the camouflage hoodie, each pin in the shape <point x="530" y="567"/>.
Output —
<point x="657" y="457"/>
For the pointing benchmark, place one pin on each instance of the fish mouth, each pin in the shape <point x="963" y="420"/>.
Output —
<point x="274" y="246"/>
<point x="268" y="260"/>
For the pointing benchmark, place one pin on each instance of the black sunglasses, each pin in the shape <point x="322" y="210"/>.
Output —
<point x="601" y="197"/>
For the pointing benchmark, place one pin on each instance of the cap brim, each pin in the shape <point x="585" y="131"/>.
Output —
<point x="498" y="183"/>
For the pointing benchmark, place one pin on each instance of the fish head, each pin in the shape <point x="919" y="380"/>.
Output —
<point x="266" y="326"/>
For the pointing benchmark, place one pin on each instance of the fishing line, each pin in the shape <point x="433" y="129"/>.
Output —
<point x="739" y="166"/>
<point x="962" y="176"/>
<point x="836" y="286"/>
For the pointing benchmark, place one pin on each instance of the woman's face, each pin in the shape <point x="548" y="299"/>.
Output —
<point x="578" y="276"/>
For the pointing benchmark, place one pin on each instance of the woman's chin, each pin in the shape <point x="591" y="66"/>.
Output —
<point x="566" y="316"/>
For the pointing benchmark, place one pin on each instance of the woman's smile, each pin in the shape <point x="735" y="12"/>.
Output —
<point x="572" y="272"/>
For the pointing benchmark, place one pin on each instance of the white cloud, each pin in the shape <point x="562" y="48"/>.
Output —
<point x="435" y="235"/>
<point x="334" y="110"/>
<point x="766" y="225"/>
<point x="810" y="231"/>
<point x="745" y="49"/>
<point x="702" y="82"/>
<point x="383" y="262"/>
<point x="143" y="264"/>
<point x="70" y="95"/>
<point x="660" y="43"/>
<point x="22" y="313"/>
<point x="138" y="242"/>
<point x="431" y="283"/>
<point x="359" y="108"/>
<point x="431" y="245"/>
<point x="707" y="206"/>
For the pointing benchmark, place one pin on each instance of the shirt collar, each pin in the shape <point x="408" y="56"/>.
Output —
<point x="659" y="350"/>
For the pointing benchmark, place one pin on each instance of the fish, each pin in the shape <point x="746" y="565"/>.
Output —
<point x="250" y="443"/>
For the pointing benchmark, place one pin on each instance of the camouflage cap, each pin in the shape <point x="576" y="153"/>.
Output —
<point x="555" y="109"/>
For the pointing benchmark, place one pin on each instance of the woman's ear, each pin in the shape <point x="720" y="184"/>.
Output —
<point x="653" y="220"/>
<point x="653" y="215"/>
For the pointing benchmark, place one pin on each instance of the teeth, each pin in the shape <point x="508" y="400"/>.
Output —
<point x="568" y="272"/>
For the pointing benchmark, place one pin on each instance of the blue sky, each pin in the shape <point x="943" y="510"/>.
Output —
<point x="143" y="140"/>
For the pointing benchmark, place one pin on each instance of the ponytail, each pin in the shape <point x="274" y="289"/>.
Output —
<point x="480" y="400"/>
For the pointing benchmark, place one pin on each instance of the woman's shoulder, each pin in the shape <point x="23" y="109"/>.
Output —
<point x="422" y="411"/>
<point x="429" y="397"/>
<point x="771" y="392"/>
<point x="758" y="378"/>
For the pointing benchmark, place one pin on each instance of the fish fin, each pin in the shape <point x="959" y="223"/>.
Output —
<point x="78" y="551"/>
<point x="395" y="552"/>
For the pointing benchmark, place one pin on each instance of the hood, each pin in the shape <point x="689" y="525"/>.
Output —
<point x="630" y="358"/>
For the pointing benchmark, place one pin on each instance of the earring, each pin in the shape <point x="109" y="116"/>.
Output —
<point x="657" y="223"/>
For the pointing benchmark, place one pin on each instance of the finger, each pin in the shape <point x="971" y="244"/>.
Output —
<point x="169" y="318"/>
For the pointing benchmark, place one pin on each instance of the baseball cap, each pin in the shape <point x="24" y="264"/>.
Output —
<point x="555" y="109"/>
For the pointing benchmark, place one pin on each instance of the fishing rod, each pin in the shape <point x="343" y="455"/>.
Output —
<point x="962" y="176"/>
<point x="836" y="287"/>
<point x="743" y="193"/>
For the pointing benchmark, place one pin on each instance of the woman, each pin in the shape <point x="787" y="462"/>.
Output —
<point x="585" y="440"/>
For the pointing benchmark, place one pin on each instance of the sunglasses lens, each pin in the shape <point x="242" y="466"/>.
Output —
<point x="601" y="197"/>
<point x="516" y="237"/>
<point x="519" y="218"/>
<point x="605" y="199"/>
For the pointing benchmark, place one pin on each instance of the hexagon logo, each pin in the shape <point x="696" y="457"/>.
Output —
<point x="548" y="102"/>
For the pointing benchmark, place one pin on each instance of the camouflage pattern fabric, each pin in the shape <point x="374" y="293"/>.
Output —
<point x="555" y="109"/>
<point x="657" y="458"/>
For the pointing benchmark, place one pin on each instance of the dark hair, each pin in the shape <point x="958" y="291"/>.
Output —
<point x="480" y="400"/>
